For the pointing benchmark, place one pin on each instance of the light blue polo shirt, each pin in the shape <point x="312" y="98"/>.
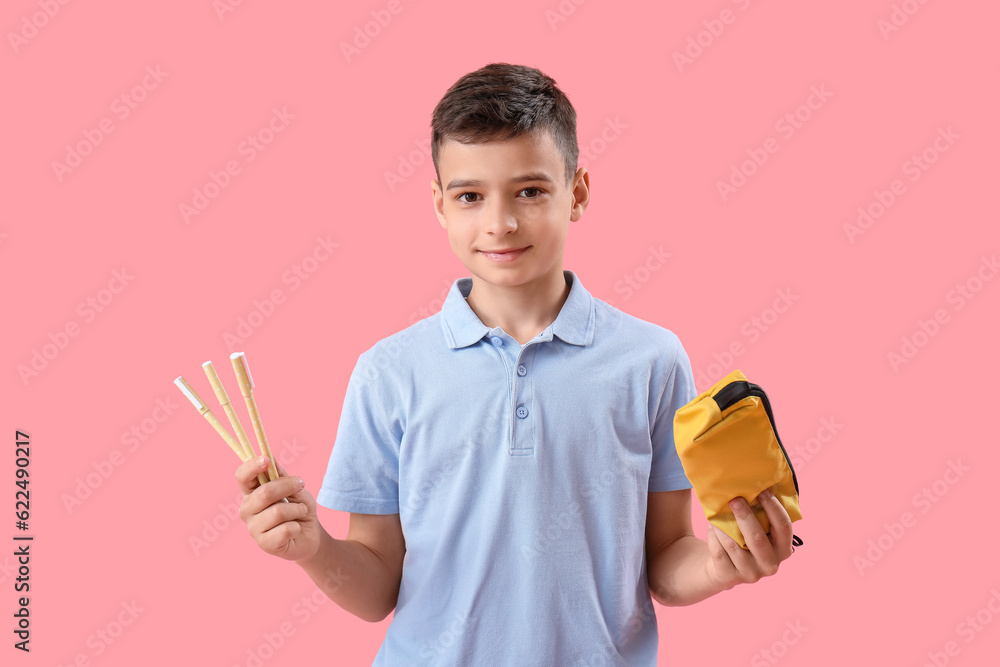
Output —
<point x="520" y="474"/>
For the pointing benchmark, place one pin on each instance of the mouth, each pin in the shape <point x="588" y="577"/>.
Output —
<point x="504" y="254"/>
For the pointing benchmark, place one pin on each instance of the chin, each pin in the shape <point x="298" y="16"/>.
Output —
<point x="496" y="275"/>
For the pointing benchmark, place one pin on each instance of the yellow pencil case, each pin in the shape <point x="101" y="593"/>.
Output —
<point x="728" y="445"/>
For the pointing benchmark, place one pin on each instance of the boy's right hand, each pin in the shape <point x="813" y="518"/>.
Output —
<point x="289" y="530"/>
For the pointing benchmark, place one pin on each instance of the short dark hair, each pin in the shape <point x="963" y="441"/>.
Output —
<point x="499" y="102"/>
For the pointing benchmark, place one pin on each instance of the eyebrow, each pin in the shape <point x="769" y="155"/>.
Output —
<point x="524" y="178"/>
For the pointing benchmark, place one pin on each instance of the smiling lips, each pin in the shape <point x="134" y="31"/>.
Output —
<point x="505" y="255"/>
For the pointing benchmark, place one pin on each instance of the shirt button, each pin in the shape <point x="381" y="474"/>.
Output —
<point x="521" y="370"/>
<point x="522" y="411"/>
<point x="497" y="341"/>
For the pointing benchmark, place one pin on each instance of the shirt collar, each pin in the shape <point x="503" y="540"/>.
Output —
<point x="574" y="324"/>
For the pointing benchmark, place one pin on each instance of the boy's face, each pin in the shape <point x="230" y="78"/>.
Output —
<point x="508" y="194"/>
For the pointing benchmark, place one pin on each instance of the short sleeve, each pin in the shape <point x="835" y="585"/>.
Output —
<point x="363" y="472"/>
<point x="666" y="472"/>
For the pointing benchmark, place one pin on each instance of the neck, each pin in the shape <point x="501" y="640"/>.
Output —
<point x="523" y="311"/>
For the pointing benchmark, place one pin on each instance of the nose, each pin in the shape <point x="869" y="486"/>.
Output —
<point x="499" y="219"/>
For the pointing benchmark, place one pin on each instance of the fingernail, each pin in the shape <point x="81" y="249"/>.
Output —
<point x="301" y="482"/>
<point x="766" y="494"/>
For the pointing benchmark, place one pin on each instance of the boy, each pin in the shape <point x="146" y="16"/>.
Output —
<point x="508" y="462"/>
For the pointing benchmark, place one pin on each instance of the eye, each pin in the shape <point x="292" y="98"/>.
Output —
<point x="466" y="194"/>
<point x="537" y="190"/>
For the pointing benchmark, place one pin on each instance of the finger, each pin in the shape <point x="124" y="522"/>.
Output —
<point x="781" y="524"/>
<point x="270" y="493"/>
<point x="741" y="559"/>
<point x="762" y="558"/>
<point x="718" y="552"/>
<point x="298" y="496"/>
<point x="278" y="539"/>
<point x="246" y="474"/>
<point x="275" y="515"/>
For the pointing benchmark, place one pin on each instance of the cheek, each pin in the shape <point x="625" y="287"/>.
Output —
<point x="459" y="238"/>
<point x="536" y="212"/>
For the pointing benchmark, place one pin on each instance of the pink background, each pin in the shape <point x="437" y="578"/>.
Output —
<point x="654" y="183"/>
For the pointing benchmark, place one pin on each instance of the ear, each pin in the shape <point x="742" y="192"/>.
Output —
<point x="437" y="201"/>
<point x="581" y="193"/>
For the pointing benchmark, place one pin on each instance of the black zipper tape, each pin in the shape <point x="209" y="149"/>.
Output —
<point x="737" y="391"/>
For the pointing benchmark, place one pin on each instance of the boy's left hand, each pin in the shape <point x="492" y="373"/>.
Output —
<point x="729" y="564"/>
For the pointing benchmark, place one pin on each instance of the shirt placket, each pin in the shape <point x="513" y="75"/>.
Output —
<point x="517" y="363"/>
